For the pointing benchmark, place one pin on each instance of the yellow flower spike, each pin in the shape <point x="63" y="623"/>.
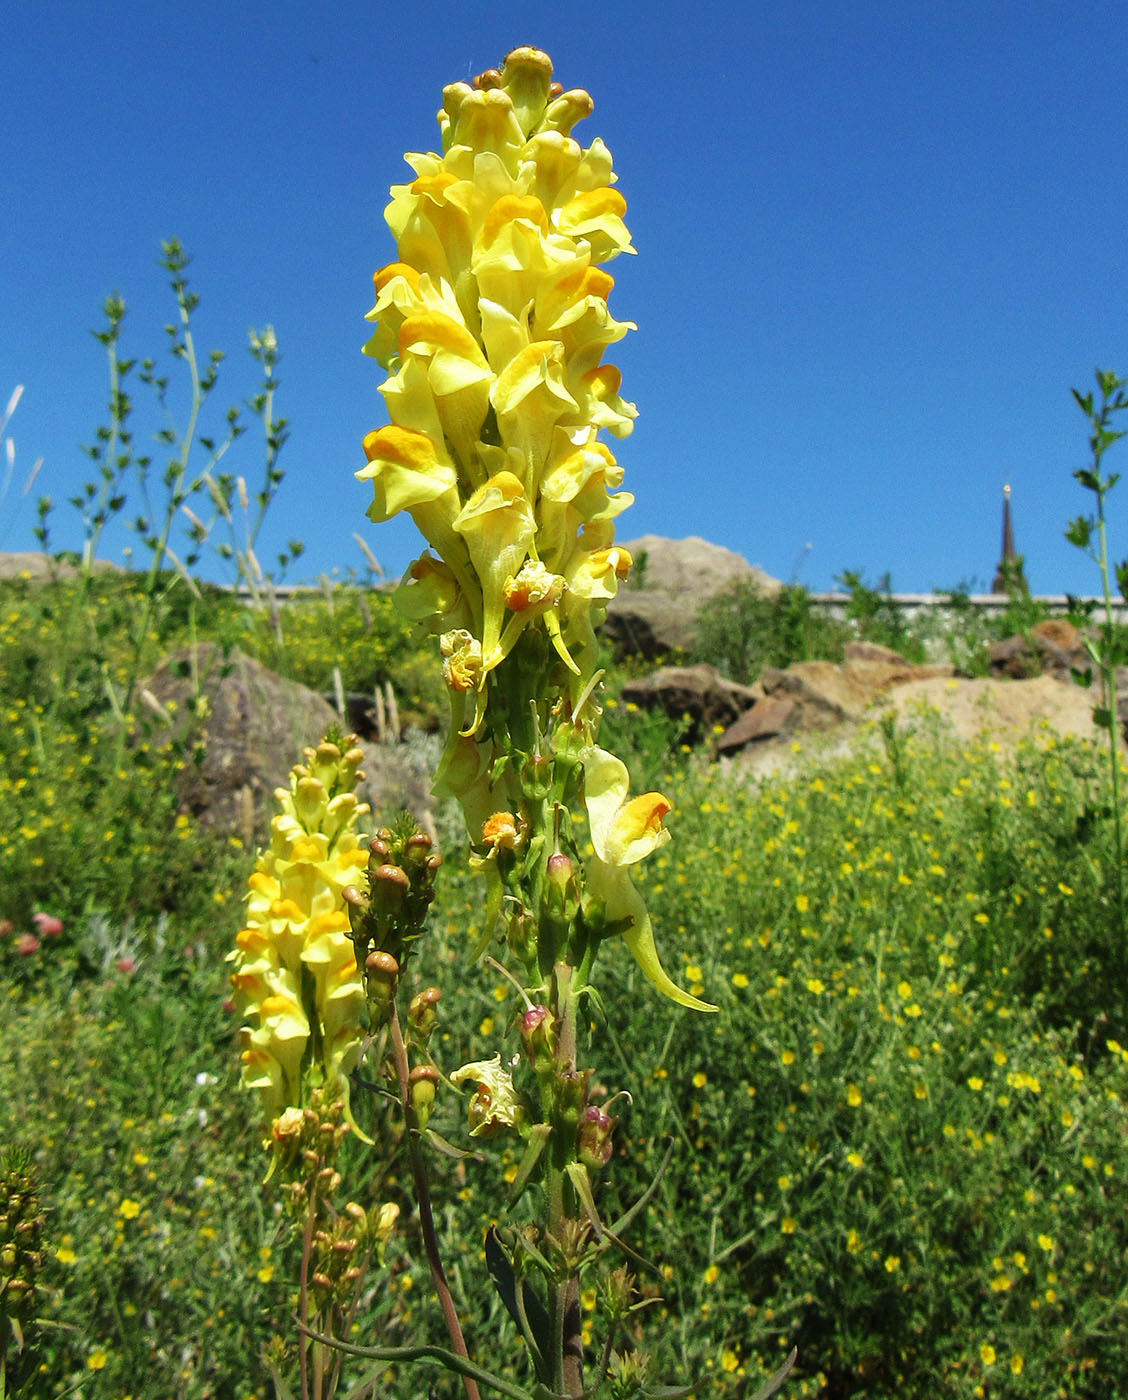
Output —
<point x="293" y="961"/>
<point x="497" y="526"/>
<point x="623" y="832"/>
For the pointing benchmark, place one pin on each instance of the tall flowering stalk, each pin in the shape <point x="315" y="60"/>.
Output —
<point x="492" y="323"/>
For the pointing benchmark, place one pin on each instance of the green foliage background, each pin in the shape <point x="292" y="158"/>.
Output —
<point x="901" y="1146"/>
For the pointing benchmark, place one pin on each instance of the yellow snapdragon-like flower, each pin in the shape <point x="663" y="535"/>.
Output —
<point x="492" y="323"/>
<point x="294" y="967"/>
<point x="624" y="830"/>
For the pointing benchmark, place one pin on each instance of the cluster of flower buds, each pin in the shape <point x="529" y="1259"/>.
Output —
<point x="307" y="1143"/>
<point x="341" y="1249"/>
<point x="387" y="911"/>
<point x="21" y="1241"/>
<point x="294" y="969"/>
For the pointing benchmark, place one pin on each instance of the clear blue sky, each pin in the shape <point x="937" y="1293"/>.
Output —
<point x="878" y="241"/>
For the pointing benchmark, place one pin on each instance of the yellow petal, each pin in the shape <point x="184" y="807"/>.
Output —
<point x="622" y="901"/>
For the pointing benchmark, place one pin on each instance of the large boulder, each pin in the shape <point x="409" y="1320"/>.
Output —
<point x="698" y="694"/>
<point x="827" y="693"/>
<point x="251" y="728"/>
<point x="655" y="613"/>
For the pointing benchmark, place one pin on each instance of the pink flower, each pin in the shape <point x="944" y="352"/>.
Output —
<point x="47" y="924"/>
<point x="125" y="964"/>
<point x="26" y="944"/>
<point x="6" y="927"/>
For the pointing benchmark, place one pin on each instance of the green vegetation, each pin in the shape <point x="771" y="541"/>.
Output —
<point x="898" y="1147"/>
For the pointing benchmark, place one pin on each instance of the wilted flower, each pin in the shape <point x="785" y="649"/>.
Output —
<point x="496" y="1105"/>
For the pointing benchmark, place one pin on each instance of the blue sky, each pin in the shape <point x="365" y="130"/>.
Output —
<point x="877" y="241"/>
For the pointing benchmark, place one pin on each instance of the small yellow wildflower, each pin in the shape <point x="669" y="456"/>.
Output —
<point x="987" y="1354"/>
<point x="892" y="1263"/>
<point x="853" y="1095"/>
<point x="129" y="1209"/>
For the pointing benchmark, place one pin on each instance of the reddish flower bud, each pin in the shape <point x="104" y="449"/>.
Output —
<point x="593" y="1138"/>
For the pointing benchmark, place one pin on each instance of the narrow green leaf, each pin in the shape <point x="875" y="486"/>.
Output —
<point x="773" y="1383"/>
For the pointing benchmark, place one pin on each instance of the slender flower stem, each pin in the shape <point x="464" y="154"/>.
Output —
<point x="303" y="1297"/>
<point x="426" y="1218"/>
<point x="1108" y="701"/>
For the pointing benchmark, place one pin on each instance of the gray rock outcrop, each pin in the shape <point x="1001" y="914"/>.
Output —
<point x="656" y="614"/>
<point x="250" y="730"/>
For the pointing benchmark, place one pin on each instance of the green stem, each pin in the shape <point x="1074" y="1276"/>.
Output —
<point x="423" y="1200"/>
<point x="567" y="1347"/>
<point x="1108" y="701"/>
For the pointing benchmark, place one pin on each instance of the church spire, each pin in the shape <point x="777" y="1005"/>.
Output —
<point x="1009" y="572"/>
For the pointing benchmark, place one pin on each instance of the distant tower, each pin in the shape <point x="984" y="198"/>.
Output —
<point x="1009" y="572"/>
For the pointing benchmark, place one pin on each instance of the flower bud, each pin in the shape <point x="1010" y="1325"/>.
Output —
<point x="538" y="1036"/>
<point x="381" y="976"/>
<point x="423" y="1013"/>
<point x="422" y="1083"/>
<point x="387" y="885"/>
<point x="593" y="1138"/>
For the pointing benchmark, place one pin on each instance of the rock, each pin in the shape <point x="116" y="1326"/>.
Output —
<point x="821" y="695"/>
<point x="1052" y="647"/>
<point x="699" y="692"/>
<point x="872" y="651"/>
<point x="1057" y="632"/>
<point x="1006" y="710"/>
<point x="691" y="567"/>
<point x="650" y="625"/>
<point x="41" y="568"/>
<point x="255" y="725"/>
<point x="655" y="613"/>
<point x="767" y="719"/>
